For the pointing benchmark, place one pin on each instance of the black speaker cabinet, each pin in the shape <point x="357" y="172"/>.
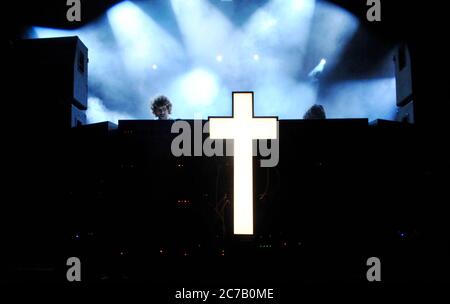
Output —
<point x="51" y="69"/>
<point x="403" y="75"/>
<point x="406" y="113"/>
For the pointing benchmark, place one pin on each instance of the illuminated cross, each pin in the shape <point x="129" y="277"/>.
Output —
<point x="243" y="127"/>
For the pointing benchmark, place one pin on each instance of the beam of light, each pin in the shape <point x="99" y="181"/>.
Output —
<point x="243" y="128"/>
<point x="142" y="46"/>
<point x="372" y="99"/>
<point x="268" y="34"/>
<point x="132" y="59"/>
<point x="206" y="32"/>
<point x="46" y="32"/>
<point x="199" y="87"/>
<point x="210" y="44"/>
<point x="332" y="29"/>
<point x="204" y="28"/>
<point x="280" y="31"/>
<point x="298" y="5"/>
<point x="141" y="40"/>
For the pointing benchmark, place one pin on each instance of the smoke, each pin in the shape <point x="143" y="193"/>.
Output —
<point x="370" y="99"/>
<point x="332" y="29"/>
<point x="133" y="57"/>
<point x="97" y="112"/>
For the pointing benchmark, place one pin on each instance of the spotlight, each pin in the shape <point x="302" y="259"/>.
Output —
<point x="155" y="67"/>
<point x="299" y="5"/>
<point x="200" y="87"/>
<point x="315" y="73"/>
<point x="219" y="58"/>
<point x="256" y="57"/>
<point x="132" y="27"/>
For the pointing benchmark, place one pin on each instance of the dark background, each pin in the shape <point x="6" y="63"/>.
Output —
<point x="344" y="190"/>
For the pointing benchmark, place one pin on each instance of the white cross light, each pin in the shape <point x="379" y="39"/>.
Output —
<point x="243" y="127"/>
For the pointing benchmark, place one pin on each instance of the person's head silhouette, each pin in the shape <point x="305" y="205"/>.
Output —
<point x="315" y="112"/>
<point x="161" y="107"/>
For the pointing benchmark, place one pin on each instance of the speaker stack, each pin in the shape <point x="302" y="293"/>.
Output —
<point x="404" y="84"/>
<point x="49" y="81"/>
